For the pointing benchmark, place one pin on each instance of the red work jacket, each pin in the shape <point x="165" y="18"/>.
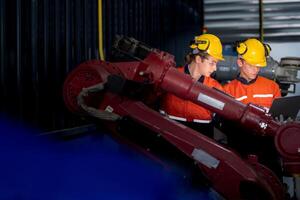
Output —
<point x="184" y="110"/>
<point x="261" y="91"/>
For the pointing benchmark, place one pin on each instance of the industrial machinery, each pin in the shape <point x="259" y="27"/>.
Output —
<point x="112" y="91"/>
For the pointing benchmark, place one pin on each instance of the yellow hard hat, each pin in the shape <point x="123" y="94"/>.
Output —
<point x="209" y="43"/>
<point x="253" y="51"/>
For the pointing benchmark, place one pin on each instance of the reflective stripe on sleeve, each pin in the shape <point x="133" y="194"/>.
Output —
<point x="262" y="95"/>
<point x="177" y="118"/>
<point x="201" y="121"/>
<point x="162" y="112"/>
<point x="241" y="98"/>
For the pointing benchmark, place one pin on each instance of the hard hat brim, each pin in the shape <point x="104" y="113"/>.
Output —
<point x="218" y="57"/>
<point x="261" y="64"/>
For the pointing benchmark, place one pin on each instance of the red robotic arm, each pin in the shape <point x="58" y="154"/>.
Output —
<point x="126" y="88"/>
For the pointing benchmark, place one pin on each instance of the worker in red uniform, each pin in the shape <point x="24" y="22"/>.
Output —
<point x="201" y="62"/>
<point x="248" y="87"/>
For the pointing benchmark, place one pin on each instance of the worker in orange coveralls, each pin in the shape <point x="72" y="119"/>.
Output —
<point x="201" y="62"/>
<point x="249" y="87"/>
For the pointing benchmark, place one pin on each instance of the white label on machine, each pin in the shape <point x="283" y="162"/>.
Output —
<point x="205" y="158"/>
<point x="109" y="109"/>
<point x="211" y="101"/>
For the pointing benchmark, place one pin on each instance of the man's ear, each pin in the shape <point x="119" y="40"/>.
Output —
<point x="239" y="62"/>
<point x="198" y="59"/>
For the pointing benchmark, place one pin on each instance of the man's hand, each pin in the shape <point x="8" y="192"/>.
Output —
<point x="281" y="119"/>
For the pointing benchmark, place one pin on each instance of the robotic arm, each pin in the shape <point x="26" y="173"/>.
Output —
<point x="128" y="88"/>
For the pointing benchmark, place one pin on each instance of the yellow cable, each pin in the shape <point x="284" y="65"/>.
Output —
<point x="100" y="36"/>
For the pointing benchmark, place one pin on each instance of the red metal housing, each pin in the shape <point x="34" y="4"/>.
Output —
<point x="228" y="173"/>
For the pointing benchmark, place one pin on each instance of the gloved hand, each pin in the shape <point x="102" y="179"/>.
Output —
<point x="281" y="119"/>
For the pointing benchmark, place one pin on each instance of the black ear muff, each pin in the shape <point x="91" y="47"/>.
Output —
<point x="203" y="44"/>
<point x="267" y="49"/>
<point x="241" y="48"/>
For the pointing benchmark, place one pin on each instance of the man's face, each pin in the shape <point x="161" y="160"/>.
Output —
<point x="208" y="65"/>
<point x="248" y="71"/>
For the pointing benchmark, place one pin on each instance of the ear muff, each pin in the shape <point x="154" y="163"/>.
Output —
<point x="267" y="49"/>
<point x="203" y="44"/>
<point x="241" y="48"/>
<point x="207" y="44"/>
<point x="193" y="46"/>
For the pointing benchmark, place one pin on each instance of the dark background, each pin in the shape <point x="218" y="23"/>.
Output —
<point x="43" y="40"/>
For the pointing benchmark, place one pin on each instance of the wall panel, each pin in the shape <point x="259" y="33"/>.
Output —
<point x="43" y="40"/>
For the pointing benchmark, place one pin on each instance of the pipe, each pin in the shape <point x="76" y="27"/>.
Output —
<point x="261" y="20"/>
<point x="100" y="33"/>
